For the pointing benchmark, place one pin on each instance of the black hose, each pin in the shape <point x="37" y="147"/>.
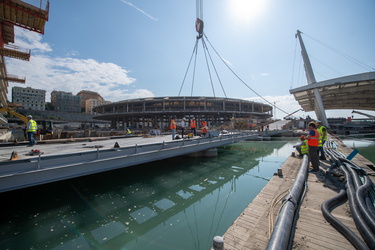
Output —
<point x="360" y="196"/>
<point x="281" y="233"/>
<point x="326" y="210"/>
<point x="362" y="227"/>
<point x="295" y="218"/>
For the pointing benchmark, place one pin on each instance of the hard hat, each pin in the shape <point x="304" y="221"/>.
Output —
<point x="203" y="119"/>
<point x="317" y="121"/>
<point x="29" y="116"/>
<point x="173" y="116"/>
<point x="302" y="137"/>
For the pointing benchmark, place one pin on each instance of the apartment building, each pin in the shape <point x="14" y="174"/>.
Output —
<point x="29" y="98"/>
<point x="65" y="102"/>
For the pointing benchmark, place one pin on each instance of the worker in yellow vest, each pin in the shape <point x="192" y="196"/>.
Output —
<point x="322" y="139"/>
<point x="302" y="148"/>
<point x="31" y="130"/>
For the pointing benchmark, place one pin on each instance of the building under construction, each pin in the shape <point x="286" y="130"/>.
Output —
<point x="24" y="15"/>
<point x="156" y="112"/>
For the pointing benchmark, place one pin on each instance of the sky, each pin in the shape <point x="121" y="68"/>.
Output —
<point x="126" y="49"/>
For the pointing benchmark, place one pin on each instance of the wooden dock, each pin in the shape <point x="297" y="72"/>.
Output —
<point x="253" y="227"/>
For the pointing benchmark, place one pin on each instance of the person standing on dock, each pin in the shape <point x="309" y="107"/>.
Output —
<point x="313" y="142"/>
<point x="183" y="125"/>
<point x="322" y="139"/>
<point x="173" y="127"/>
<point x="193" y="126"/>
<point x="31" y="130"/>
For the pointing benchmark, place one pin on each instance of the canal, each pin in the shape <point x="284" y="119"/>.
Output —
<point x="179" y="203"/>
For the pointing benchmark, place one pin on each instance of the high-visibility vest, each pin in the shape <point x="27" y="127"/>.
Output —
<point x="193" y="124"/>
<point x="204" y="124"/>
<point x="304" y="148"/>
<point x="128" y="131"/>
<point x="321" y="139"/>
<point x="173" y="124"/>
<point x="314" y="140"/>
<point x="31" y="126"/>
<point x="204" y="130"/>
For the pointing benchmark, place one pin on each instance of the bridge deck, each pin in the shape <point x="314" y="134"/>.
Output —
<point x="74" y="159"/>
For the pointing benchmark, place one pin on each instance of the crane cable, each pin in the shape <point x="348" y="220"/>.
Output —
<point x="239" y="78"/>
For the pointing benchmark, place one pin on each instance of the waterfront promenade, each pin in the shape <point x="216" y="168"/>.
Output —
<point x="253" y="227"/>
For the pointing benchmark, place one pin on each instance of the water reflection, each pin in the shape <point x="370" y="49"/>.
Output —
<point x="180" y="203"/>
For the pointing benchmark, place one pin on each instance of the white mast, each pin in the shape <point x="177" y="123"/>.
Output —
<point x="319" y="107"/>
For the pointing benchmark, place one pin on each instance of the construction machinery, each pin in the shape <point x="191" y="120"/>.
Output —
<point x="45" y="127"/>
<point x="286" y="117"/>
<point x="364" y="114"/>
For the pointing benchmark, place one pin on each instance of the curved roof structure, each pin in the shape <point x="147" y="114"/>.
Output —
<point x="160" y="109"/>
<point x="192" y="105"/>
<point x="349" y="92"/>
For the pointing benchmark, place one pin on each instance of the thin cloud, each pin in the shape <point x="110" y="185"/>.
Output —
<point x="72" y="74"/>
<point x="142" y="11"/>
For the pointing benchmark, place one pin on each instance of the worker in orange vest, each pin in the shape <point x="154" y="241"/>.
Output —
<point x="173" y="126"/>
<point x="193" y="126"/>
<point x="204" y="123"/>
<point x="313" y="142"/>
<point x="204" y="131"/>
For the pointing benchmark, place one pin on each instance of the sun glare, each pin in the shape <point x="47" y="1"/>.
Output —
<point x="246" y="10"/>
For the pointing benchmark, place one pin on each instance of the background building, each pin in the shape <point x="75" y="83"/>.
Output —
<point x="29" y="98"/>
<point x="86" y="95"/>
<point x="92" y="103"/>
<point x="65" y="102"/>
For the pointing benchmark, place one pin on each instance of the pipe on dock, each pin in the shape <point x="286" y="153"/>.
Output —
<point x="361" y="224"/>
<point x="283" y="227"/>
<point x="326" y="210"/>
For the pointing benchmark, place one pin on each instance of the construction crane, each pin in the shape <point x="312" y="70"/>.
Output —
<point x="364" y="114"/>
<point x="45" y="127"/>
<point x="292" y="113"/>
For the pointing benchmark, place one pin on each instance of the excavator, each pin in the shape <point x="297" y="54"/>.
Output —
<point x="364" y="114"/>
<point x="286" y="117"/>
<point x="44" y="127"/>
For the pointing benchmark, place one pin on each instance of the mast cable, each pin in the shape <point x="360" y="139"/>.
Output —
<point x="294" y="64"/>
<point x="359" y="63"/>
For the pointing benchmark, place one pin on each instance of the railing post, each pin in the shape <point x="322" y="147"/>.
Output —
<point x="136" y="148"/>
<point x="39" y="159"/>
<point x="97" y="153"/>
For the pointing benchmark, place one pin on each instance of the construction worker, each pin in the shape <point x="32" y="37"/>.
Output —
<point x="128" y="131"/>
<point x="302" y="148"/>
<point x="322" y="139"/>
<point x="31" y="130"/>
<point x="313" y="143"/>
<point x="173" y="126"/>
<point x="204" y="123"/>
<point x="204" y="131"/>
<point x="193" y="126"/>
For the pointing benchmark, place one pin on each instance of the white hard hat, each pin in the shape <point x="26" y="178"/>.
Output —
<point x="29" y="116"/>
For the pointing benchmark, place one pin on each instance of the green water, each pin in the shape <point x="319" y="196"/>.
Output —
<point x="365" y="146"/>
<point x="179" y="203"/>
